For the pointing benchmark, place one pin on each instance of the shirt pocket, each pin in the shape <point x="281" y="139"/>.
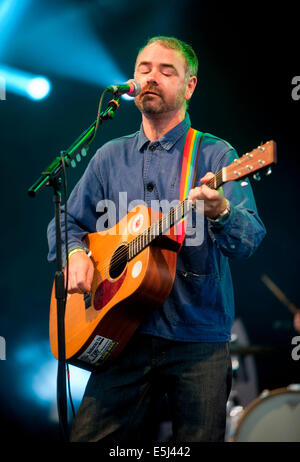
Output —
<point x="197" y="300"/>
<point x="173" y="188"/>
<point x="199" y="261"/>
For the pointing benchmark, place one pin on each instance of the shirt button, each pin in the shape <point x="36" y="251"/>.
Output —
<point x="152" y="148"/>
<point x="150" y="187"/>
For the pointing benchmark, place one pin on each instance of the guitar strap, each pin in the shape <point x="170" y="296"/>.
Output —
<point x="188" y="172"/>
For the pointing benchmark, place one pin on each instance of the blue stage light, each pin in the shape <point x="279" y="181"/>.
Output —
<point x="39" y="373"/>
<point x="53" y="46"/>
<point x="38" y="88"/>
<point x="25" y="84"/>
<point x="11" y="12"/>
<point x="127" y="97"/>
<point x="4" y="8"/>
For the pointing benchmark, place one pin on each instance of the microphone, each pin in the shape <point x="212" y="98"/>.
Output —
<point x="132" y="88"/>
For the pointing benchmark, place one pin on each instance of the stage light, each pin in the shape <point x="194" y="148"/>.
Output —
<point x="11" y="12"/>
<point x="4" y="8"/>
<point x="55" y="48"/>
<point x="38" y="88"/>
<point x="127" y="97"/>
<point x="25" y="84"/>
<point x="40" y="373"/>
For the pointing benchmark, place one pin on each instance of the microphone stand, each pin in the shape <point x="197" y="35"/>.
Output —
<point x="51" y="176"/>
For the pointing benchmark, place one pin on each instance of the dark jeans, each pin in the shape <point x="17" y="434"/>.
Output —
<point x="121" y="402"/>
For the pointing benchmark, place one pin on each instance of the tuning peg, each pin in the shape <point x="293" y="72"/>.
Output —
<point x="257" y="176"/>
<point x="73" y="163"/>
<point x="269" y="171"/>
<point x="84" y="152"/>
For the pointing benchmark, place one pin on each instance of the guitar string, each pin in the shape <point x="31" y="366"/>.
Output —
<point x="135" y="241"/>
<point x="213" y="183"/>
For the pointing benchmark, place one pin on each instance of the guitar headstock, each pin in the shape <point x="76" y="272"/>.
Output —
<point x="260" y="158"/>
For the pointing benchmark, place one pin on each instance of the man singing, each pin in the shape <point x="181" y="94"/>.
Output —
<point x="181" y="350"/>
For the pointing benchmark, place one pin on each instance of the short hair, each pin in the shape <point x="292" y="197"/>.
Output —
<point x="191" y="68"/>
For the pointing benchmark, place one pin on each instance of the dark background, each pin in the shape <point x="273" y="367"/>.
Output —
<point x="247" y="59"/>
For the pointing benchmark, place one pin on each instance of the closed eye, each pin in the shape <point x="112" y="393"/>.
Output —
<point x="168" y="69"/>
<point x="165" y="68"/>
<point x="143" y="68"/>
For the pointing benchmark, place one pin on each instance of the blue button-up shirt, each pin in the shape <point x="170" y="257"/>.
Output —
<point x="200" y="307"/>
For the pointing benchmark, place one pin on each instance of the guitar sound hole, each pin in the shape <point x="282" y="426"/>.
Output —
<point x="118" y="261"/>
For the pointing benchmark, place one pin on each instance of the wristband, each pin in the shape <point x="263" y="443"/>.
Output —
<point x="79" y="249"/>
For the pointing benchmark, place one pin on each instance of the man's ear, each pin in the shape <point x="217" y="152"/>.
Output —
<point x="190" y="87"/>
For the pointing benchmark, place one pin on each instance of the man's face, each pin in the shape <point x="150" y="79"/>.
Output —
<point x="161" y="73"/>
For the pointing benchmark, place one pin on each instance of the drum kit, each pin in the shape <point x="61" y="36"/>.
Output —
<point x="273" y="416"/>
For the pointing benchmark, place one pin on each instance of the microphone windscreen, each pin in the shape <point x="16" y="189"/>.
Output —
<point x="136" y="87"/>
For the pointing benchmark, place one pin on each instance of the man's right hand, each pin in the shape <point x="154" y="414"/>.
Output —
<point x="81" y="272"/>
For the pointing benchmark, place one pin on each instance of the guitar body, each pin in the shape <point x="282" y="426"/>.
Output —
<point x="98" y="325"/>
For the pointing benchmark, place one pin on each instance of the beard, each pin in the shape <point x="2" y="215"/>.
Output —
<point x="157" y="104"/>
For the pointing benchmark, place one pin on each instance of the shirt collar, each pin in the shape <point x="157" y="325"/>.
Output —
<point x="170" y="138"/>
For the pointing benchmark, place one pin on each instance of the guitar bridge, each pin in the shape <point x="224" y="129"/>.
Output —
<point x="87" y="300"/>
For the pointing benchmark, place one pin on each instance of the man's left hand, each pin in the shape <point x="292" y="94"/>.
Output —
<point x="214" y="201"/>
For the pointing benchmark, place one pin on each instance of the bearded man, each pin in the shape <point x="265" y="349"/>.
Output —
<point x="180" y="350"/>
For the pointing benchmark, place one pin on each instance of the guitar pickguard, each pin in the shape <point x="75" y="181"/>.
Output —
<point x="107" y="290"/>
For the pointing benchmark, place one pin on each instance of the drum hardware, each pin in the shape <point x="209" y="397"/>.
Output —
<point x="272" y="417"/>
<point x="233" y="417"/>
<point x="294" y="386"/>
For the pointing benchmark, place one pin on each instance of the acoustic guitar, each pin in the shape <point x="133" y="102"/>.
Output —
<point x="135" y="264"/>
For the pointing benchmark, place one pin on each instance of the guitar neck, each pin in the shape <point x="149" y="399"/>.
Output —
<point x="168" y="220"/>
<point x="158" y="228"/>
<point x="216" y="181"/>
<point x="254" y="161"/>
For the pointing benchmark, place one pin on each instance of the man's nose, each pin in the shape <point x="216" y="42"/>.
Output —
<point x="153" y="77"/>
<point x="152" y="81"/>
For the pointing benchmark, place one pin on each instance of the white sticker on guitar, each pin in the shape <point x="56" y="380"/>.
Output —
<point x="136" y="223"/>
<point x="99" y="350"/>
<point x="137" y="268"/>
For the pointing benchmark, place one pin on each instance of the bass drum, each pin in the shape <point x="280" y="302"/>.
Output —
<point x="273" y="417"/>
